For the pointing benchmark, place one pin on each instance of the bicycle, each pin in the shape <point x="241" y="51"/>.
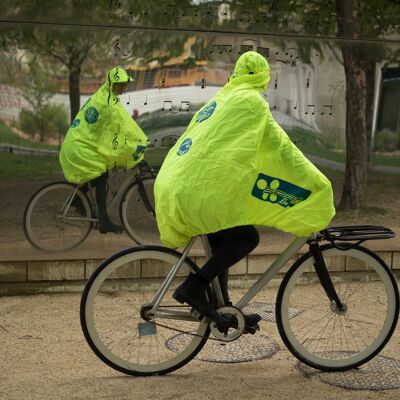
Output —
<point x="52" y="223"/>
<point x="341" y="321"/>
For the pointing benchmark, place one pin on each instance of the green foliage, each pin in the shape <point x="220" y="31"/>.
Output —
<point x="27" y="122"/>
<point x="310" y="142"/>
<point x="50" y="121"/>
<point x="9" y="137"/>
<point x="36" y="87"/>
<point x="387" y="140"/>
<point x="57" y="117"/>
<point x="19" y="167"/>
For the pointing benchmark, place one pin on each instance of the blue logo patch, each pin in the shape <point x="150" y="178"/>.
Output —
<point x="184" y="147"/>
<point x="206" y="112"/>
<point x="75" y="123"/>
<point x="91" y="115"/>
<point x="139" y="152"/>
<point x="278" y="191"/>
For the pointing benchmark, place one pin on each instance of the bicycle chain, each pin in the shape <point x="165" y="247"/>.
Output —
<point x="180" y="330"/>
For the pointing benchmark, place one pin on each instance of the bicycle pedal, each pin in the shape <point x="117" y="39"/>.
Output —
<point x="251" y="329"/>
<point x="196" y="314"/>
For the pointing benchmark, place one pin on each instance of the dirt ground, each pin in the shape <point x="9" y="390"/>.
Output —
<point x="45" y="356"/>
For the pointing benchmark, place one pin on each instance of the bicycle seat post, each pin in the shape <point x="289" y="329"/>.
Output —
<point x="215" y="283"/>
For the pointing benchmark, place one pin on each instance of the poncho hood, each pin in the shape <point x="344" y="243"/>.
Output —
<point x="114" y="75"/>
<point x="251" y="71"/>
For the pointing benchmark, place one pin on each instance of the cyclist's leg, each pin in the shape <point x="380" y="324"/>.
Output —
<point x="224" y="242"/>
<point x="105" y="224"/>
<point x="217" y="242"/>
<point x="230" y="246"/>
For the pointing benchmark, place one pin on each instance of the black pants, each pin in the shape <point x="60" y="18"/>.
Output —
<point x="228" y="247"/>
<point x="100" y="183"/>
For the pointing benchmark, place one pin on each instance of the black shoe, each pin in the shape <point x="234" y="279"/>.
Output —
<point x="193" y="292"/>
<point x="251" y="323"/>
<point x="252" y="319"/>
<point x="108" y="226"/>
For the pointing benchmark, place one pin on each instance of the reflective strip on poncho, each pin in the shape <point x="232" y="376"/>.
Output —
<point x="102" y="136"/>
<point x="235" y="166"/>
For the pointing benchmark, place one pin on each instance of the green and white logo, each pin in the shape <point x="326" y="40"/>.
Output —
<point x="278" y="191"/>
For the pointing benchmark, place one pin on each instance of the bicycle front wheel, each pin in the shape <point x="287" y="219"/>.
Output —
<point x="52" y="223"/>
<point x="113" y="315"/>
<point x="316" y="331"/>
<point x="137" y="212"/>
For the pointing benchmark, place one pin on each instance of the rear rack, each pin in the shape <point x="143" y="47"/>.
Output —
<point x="357" y="234"/>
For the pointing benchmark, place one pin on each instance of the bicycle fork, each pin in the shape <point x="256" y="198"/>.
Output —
<point x="325" y="279"/>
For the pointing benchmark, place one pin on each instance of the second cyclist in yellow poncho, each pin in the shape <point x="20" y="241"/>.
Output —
<point x="102" y="136"/>
<point x="233" y="168"/>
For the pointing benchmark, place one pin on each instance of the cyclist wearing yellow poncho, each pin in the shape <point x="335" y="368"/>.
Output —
<point x="101" y="137"/>
<point x="233" y="168"/>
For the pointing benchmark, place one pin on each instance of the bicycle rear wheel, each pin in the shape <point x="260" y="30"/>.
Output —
<point x="316" y="331"/>
<point x="112" y="316"/>
<point x="137" y="213"/>
<point x="47" y="224"/>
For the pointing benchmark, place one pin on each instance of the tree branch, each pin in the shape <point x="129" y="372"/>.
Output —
<point x="335" y="54"/>
<point x="47" y="51"/>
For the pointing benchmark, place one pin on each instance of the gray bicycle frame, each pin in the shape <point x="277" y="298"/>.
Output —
<point x="125" y="183"/>
<point x="274" y="268"/>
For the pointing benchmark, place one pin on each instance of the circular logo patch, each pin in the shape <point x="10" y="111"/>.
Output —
<point x="184" y="147"/>
<point x="75" y="123"/>
<point x="206" y="112"/>
<point x="91" y="115"/>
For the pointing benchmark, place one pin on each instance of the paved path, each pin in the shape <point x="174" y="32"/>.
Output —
<point x="338" y="166"/>
<point x="44" y="356"/>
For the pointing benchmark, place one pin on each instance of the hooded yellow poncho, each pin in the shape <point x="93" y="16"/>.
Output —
<point x="234" y="165"/>
<point x="102" y="135"/>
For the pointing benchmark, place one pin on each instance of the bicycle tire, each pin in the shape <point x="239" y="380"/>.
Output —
<point x="114" y="294"/>
<point x="137" y="213"/>
<point x="337" y="350"/>
<point x="44" y="226"/>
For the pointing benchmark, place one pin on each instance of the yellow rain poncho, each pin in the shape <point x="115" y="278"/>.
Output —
<point x="235" y="166"/>
<point x="102" y="135"/>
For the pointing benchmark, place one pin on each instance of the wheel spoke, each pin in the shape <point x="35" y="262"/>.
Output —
<point x="46" y="228"/>
<point x="338" y="339"/>
<point x="127" y="341"/>
<point x="140" y="223"/>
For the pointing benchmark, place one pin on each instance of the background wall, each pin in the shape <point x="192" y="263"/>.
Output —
<point x="54" y="55"/>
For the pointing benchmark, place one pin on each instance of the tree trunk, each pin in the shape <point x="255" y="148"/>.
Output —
<point x="74" y="90"/>
<point x="369" y="104"/>
<point x="355" y="67"/>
